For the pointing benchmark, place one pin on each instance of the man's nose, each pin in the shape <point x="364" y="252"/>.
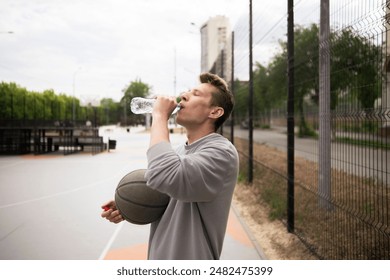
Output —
<point x="184" y="96"/>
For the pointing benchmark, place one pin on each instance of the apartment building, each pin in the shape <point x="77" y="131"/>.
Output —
<point x="216" y="46"/>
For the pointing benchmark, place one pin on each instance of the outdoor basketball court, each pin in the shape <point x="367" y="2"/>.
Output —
<point x="50" y="205"/>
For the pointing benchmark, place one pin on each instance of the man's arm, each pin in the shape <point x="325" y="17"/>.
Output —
<point x="197" y="176"/>
<point x="159" y="131"/>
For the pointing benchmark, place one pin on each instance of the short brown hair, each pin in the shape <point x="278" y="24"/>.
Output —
<point x="222" y="98"/>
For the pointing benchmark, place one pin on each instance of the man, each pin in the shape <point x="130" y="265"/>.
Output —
<point x="199" y="176"/>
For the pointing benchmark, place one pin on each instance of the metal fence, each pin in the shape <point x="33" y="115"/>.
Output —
<point x="341" y="187"/>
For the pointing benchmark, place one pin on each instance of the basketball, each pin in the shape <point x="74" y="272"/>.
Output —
<point x="138" y="203"/>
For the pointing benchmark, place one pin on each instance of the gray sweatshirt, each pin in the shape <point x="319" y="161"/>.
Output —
<point x="200" y="179"/>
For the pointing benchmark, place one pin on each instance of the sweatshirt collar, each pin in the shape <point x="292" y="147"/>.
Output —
<point x="200" y="141"/>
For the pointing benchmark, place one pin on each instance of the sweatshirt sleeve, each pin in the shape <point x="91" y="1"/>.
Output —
<point x="194" y="177"/>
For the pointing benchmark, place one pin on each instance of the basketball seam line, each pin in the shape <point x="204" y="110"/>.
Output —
<point x="124" y="183"/>
<point x="143" y="205"/>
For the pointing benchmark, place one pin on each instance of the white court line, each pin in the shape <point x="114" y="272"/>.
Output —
<point x="64" y="192"/>
<point x="112" y="239"/>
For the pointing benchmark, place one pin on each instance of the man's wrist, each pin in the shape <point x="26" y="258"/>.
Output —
<point x="159" y="130"/>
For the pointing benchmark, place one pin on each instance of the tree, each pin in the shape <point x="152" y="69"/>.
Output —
<point x="109" y="111"/>
<point x="277" y="78"/>
<point x="262" y="98"/>
<point x="241" y="90"/>
<point x="357" y="62"/>
<point x="355" y="70"/>
<point x="136" y="89"/>
<point x="306" y="71"/>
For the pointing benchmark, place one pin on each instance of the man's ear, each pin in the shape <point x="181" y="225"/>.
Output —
<point x="216" y="112"/>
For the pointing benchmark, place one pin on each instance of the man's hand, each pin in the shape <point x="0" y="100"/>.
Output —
<point x="164" y="107"/>
<point x="111" y="213"/>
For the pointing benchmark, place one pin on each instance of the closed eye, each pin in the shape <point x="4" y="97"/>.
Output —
<point x="196" y="92"/>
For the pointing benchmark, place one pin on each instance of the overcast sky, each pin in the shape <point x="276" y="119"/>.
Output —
<point x="94" y="48"/>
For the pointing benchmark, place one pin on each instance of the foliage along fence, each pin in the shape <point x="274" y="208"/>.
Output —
<point x="19" y="106"/>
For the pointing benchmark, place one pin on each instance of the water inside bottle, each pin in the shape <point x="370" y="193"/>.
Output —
<point x="141" y="105"/>
<point x="145" y="105"/>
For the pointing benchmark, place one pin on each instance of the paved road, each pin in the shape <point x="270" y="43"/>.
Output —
<point x="365" y="162"/>
<point x="50" y="206"/>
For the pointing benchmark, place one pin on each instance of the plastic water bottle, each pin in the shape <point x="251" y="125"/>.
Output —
<point x="139" y="105"/>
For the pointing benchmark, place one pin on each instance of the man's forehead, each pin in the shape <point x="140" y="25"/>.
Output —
<point x="205" y="88"/>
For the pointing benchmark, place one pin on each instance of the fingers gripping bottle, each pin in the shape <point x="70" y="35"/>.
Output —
<point x="140" y="105"/>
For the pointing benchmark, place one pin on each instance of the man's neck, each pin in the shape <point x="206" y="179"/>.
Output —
<point x="195" y="134"/>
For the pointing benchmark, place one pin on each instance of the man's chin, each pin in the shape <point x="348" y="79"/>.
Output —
<point x="180" y="120"/>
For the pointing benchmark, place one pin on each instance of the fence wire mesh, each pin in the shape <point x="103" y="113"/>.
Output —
<point x="350" y="219"/>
